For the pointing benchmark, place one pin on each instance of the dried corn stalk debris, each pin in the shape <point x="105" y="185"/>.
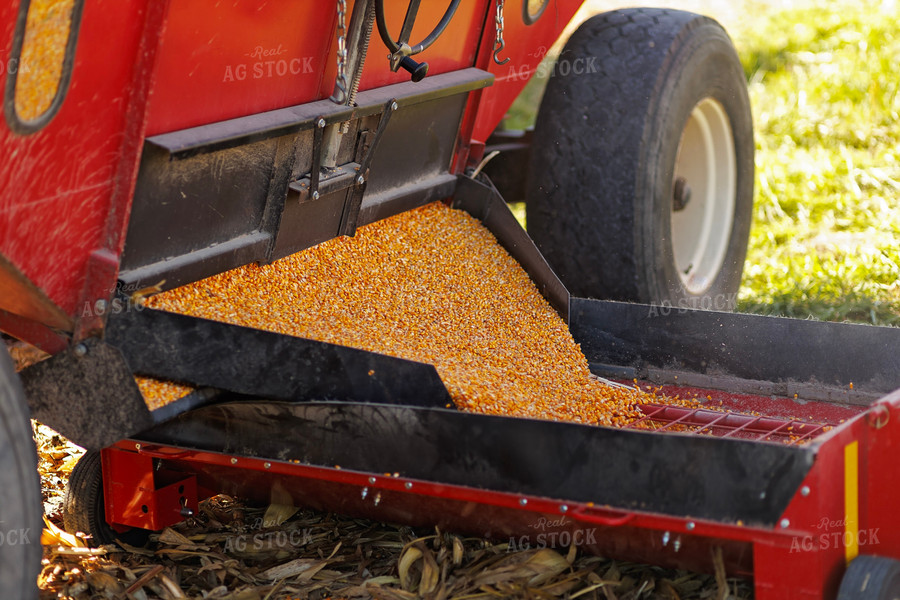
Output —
<point x="316" y="555"/>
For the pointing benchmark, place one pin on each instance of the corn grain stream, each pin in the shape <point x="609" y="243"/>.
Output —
<point x="431" y="285"/>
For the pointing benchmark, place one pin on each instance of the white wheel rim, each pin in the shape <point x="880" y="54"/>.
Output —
<point x="702" y="228"/>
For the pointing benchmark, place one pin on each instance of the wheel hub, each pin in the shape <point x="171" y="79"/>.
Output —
<point x="703" y="212"/>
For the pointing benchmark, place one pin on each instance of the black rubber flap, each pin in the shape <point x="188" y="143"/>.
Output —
<point x="740" y="345"/>
<point x="88" y="394"/>
<point x="249" y="361"/>
<point x="682" y="475"/>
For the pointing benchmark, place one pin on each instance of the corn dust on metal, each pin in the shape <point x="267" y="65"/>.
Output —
<point x="431" y="285"/>
<point x="41" y="61"/>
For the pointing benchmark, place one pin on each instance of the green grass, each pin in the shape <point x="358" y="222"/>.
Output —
<point x="825" y="241"/>
<point x="823" y="83"/>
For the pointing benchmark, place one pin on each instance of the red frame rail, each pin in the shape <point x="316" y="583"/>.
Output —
<point x="842" y="508"/>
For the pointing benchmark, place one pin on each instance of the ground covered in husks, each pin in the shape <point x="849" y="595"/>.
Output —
<point x="230" y="551"/>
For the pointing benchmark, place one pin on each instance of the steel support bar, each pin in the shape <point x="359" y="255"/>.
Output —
<point x="249" y="361"/>
<point x="845" y="362"/>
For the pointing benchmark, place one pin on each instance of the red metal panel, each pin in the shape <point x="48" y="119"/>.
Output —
<point x="59" y="184"/>
<point x="526" y="45"/>
<point x="224" y="60"/>
<point x="455" y="49"/>
<point x="879" y="485"/>
<point x="137" y="495"/>
<point x="37" y="335"/>
<point x="810" y="560"/>
<point x="220" y="60"/>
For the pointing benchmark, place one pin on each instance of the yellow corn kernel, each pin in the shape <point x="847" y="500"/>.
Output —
<point x="158" y="393"/>
<point x="431" y="285"/>
<point x="41" y="60"/>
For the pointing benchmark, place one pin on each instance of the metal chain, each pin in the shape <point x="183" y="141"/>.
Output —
<point x="499" y="44"/>
<point x="342" y="47"/>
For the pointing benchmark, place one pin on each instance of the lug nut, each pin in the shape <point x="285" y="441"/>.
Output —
<point x="681" y="194"/>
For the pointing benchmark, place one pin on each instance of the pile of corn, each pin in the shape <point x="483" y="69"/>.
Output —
<point x="431" y="285"/>
<point x="41" y="61"/>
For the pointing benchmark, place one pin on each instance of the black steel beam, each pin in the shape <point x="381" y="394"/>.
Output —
<point x="750" y="347"/>
<point x="207" y="353"/>
<point x="275" y="123"/>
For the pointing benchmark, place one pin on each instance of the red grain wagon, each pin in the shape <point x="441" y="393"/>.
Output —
<point x="188" y="138"/>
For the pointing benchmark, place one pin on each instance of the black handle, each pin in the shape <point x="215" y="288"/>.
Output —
<point x="418" y="71"/>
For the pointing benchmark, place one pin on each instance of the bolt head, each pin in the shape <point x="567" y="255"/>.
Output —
<point x="372" y="480"/>
<point x="563" y="508"/>
<point x="320" y="123"/>
<point x="408" y="485"/>
<point x="784" y="523"/>
<point x="315" y="195"/>
<point x="234" y="461"/>
<point x="804" y="491"/>
<point x="268" y="465"/>
<point x="80" y="350"/>
<point x="394" y="106"/>
<point x="523" y="501"/>
<point x="360" y="180"/>
<point x="690" y="526"/>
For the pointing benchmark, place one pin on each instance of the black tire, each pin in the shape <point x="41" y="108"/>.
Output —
<point x="602" y="170"/>
<point x="871" y="578"/>
<point x="84" y="509"/>
<point x="20" y="491"/>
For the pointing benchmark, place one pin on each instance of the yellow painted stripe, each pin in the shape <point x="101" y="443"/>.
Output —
<point x="851" y="500"/>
